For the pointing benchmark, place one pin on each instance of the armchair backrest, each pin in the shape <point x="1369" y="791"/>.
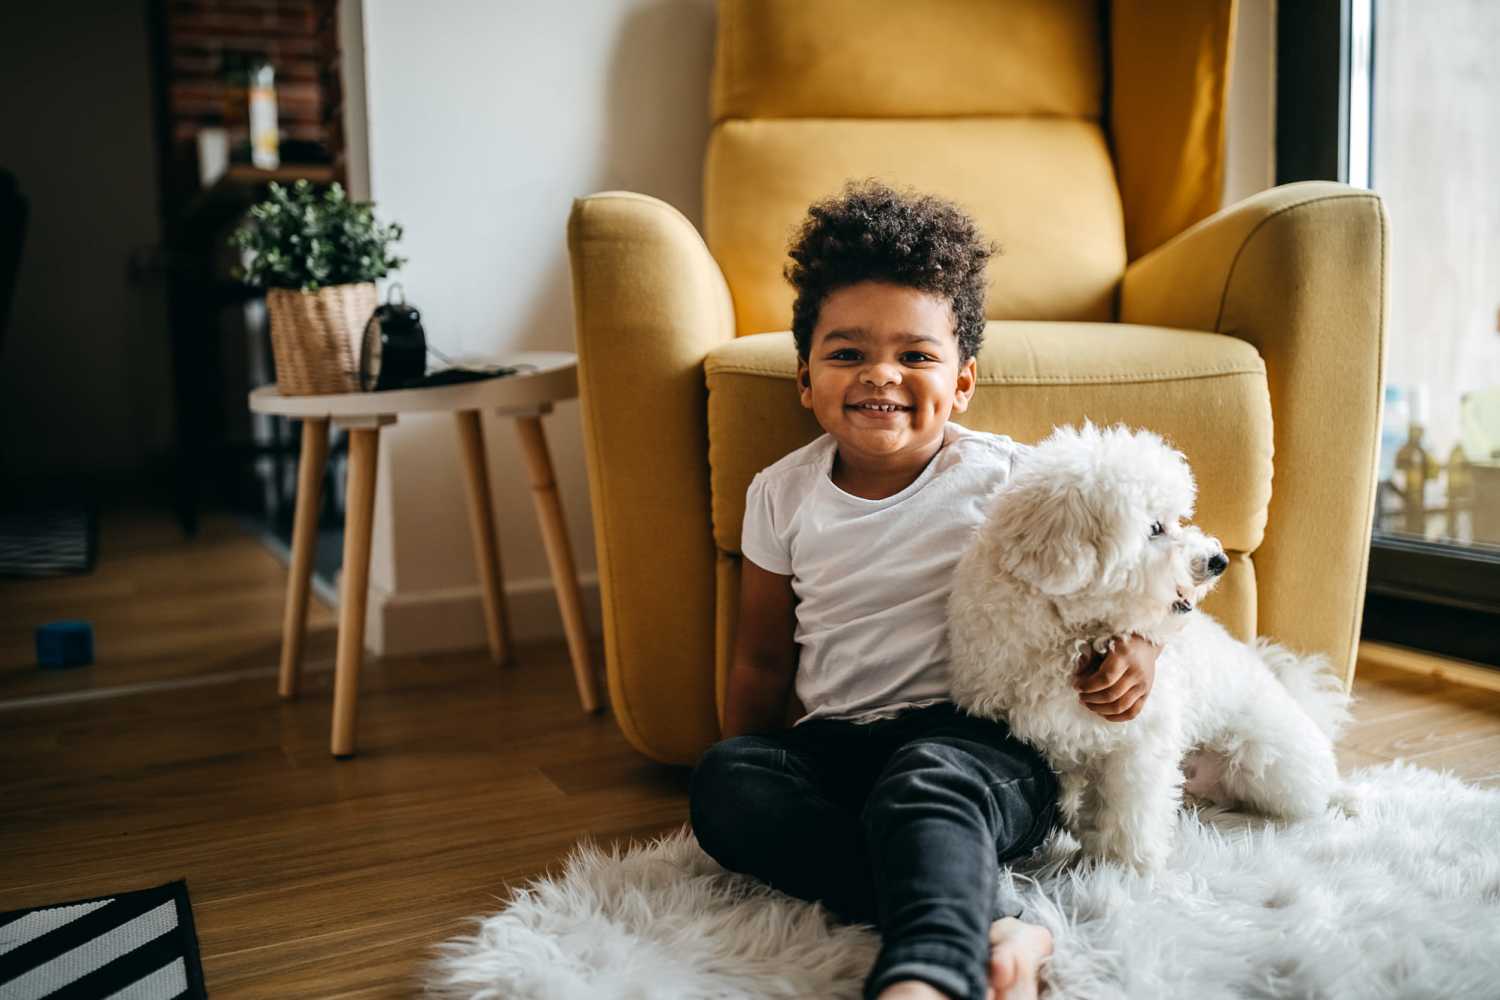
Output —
<point x="1001" y="105"/>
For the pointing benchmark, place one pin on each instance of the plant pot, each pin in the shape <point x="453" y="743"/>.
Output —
<point x="315" y="337"/>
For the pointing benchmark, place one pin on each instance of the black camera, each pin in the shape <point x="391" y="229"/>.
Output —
<point x="394" y="352"/>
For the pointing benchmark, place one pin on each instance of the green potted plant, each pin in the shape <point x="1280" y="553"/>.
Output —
<point x="318" y="255"/>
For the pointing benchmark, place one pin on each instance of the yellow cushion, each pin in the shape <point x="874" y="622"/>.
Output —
<point x="1169" y="80"/>
<point x="1044" y="188"/>
<point x="896" y="58"/>
<point x="1205" y="392"/>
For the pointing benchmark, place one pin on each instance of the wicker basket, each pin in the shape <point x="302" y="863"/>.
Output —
<point x="315" y="337"/>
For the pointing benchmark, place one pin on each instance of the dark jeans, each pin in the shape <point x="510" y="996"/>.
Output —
<point x="902" y="823"/>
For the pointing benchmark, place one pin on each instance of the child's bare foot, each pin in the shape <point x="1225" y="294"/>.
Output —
<point x="1016" y="953"/>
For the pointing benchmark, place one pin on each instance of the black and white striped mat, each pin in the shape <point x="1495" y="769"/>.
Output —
<point x="48" y="542"/>
<point x="131" y="946"/>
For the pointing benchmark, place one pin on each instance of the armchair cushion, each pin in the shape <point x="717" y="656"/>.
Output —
<point x="897" y="59"/>
<point x="1205" y="392"/>
<point x="1044" y="188"/>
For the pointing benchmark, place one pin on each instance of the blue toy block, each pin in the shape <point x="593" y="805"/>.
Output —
<point x="65" y="644"/>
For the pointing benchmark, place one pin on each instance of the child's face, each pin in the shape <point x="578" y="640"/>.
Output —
<point x="882" y="343"/>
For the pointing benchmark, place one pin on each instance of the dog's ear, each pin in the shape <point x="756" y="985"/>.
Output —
<point x="1045" y="535"/>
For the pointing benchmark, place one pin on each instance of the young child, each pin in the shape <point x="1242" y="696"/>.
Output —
<point x="883" y="801"/>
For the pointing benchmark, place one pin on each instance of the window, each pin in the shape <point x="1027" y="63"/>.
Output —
<point x="1435" y="157"/>
<point x="1408" y="109"/>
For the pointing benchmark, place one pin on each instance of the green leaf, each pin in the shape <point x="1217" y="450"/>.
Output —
<point x="306" y="237"/>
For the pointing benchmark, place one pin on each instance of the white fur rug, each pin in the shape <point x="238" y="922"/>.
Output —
<point x="1399" y="900"/>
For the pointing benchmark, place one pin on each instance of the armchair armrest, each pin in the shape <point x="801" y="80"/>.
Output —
<point x="1299" y="272"/>
<point x="649" y="303"/>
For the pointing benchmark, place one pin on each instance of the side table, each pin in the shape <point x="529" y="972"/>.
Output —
<point x="546" y="377"/>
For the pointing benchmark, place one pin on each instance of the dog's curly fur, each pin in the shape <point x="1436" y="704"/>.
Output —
<point x="1087" y="541"/>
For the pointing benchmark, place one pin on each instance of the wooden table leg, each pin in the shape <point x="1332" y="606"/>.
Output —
<point x="482" y="527"/>
<point x="304" y="544"/>
<point x="359" y="517"/>
<point x="559" y="555"/>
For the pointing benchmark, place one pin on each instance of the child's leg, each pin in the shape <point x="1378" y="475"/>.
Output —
<point x="773" y="807"/>
<point x="959" y="797"/>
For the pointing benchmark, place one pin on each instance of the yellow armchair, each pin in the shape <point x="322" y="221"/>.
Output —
<point x="1089" y="144"/>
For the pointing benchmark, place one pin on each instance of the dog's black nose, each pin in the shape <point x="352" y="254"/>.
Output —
<point x="1217" y="563"/>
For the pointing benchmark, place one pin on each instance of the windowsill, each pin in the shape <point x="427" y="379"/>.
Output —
<point x="1416" y="661"/>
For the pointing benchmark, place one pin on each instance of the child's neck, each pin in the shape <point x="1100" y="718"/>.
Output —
<point x="876" y="479"/>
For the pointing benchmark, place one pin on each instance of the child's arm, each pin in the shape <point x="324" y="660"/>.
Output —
<point x="765" y="653"/>
<point x="1115" y="685"/>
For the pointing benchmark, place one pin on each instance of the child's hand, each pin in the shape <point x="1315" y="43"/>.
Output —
<point x="1114" y="685"/>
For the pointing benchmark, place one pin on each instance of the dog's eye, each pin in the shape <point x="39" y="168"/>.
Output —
<point x="1157" y="528"/>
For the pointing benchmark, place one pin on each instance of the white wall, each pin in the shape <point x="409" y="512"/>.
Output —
<point x="1251" y="147"/>
<point x="485" y="121"/>
<point x="356" y="104"/>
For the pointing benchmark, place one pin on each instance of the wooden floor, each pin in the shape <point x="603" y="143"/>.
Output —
<point x="173" y="758"/>
<point x="309" y="877"/>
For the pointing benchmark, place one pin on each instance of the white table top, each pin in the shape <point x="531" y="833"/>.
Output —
<point x="547" y="376"/>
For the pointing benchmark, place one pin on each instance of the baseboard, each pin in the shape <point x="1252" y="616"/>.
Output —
<point x="431" y="621"/>
<point x="1416" y="661"/>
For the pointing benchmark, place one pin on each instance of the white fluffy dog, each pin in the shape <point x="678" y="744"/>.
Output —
<point x="1087" y="542"/>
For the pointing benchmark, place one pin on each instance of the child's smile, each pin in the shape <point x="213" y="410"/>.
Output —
<point x="883" y="376"/>
<point x="879" y="411"/>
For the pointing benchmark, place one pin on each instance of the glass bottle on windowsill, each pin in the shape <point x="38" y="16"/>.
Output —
<point x="1460" y="479"/>
<point x="1414" y="468"/>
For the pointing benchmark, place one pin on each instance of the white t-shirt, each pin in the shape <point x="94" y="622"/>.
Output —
<point x="872" y="577"/>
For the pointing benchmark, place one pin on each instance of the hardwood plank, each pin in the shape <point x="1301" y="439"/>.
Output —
<point x="1351" y="760"/>
<point x="160" y="607"/>
<point x="1381" y="692"/>
<point x="1477" y="762"/>
<point x="1441" y="725"/>
<point x="1421" y="734"/>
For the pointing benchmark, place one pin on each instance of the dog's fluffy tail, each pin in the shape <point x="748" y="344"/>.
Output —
<point x="1311" y="683"/>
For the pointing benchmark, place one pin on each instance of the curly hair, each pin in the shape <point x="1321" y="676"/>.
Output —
<point x="872" y="232"/>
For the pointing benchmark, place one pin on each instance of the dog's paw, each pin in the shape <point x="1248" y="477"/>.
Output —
<point x="1149" y="860"/>
<point x="1143" y="857"/>
<point x="1203" y="775"/>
